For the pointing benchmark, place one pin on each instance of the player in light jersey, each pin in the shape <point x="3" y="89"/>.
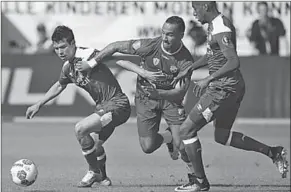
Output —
<point x="163" y="56"/>
<point x="221" y="94"/>
<point x="112" y="105"/>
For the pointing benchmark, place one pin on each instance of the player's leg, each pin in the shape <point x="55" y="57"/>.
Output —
<point x="119" y="111"/>
<point x="83" y="129"/>
<point x="148" y="123"/>
<point x="199" y="116"/>
<point x="174" y="115"/>
<point x="225" y="118"/>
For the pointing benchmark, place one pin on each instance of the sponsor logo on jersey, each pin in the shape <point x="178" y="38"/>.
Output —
<point x="173" y="69"/>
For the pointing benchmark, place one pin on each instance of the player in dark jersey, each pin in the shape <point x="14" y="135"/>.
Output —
<point x="164" y="57"/>
<point x="221" y="94"/>
<point x="112" y="105"/>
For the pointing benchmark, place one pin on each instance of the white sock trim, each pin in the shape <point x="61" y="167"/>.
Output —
<point x="229" y="139"/>
<point x="192" y="140"/>
<point x="89" y="151"/>
<point x="101" y="157"/>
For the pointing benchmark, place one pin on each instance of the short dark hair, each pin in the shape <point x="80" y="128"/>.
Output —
<point x="177" y="20"/>
<point x="211" y="4"/>
<point x="63" y="32"/>
<point x="262" y="3"/>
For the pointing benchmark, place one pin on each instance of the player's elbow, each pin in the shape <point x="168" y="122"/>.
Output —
<point x="234" y="61"/>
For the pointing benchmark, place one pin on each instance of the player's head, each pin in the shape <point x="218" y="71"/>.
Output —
<point x="173" y="32"/>
<point x="262" y="8"/>
<point x="64" y="42"/>
<point x="203" y="10"/>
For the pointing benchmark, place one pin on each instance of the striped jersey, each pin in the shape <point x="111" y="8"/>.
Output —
<point x="100" y="83"/>
<point x="221" y="35"/>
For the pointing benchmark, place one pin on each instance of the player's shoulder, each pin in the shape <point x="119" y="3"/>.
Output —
<point x="85" y="52"/>
<point x="222" y="24"/>
<point x="152" y="42"/>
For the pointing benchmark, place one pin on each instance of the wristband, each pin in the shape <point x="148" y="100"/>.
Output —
<point x="92" y="63"/>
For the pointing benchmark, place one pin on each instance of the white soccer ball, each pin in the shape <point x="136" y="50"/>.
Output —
<point x="24" y="172"/>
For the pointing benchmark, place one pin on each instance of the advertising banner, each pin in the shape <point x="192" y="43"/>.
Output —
<point x="97" y="24"/>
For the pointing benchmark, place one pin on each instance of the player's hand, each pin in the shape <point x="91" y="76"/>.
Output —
<point x="181" y="75"/>
<point x="153" y="76"/>
<point x="32" y="110"/>
<point x="151" y="92"/>
<point x="83" y="66"/>
<point x="200" y="86"/>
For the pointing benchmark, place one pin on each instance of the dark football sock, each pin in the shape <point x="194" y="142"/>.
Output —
<point x="89" y="151"/>
<point x="101" y="160"/>
<point x="240" y="141"/>
<point x="194" y="152"/>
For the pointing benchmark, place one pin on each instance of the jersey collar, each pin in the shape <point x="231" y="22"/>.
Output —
<point x="171" y="53"/>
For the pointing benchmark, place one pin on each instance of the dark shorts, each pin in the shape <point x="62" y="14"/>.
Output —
<point x="119" y="106"/>
<point x="150" y="112"/>
<point x="218" y="105"/>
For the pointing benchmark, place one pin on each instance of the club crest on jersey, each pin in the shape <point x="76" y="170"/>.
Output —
<point x="156" y="61"/>
<point x="225" y="40"/>
<point x="173" y="69"/>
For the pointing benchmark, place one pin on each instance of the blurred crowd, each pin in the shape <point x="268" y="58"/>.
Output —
<point x="265" y="35"/>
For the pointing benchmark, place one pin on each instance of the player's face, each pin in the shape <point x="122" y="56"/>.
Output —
<point x="199" y="12"/>
<point x="171" y="36"/>
<point x="65" y="50"/>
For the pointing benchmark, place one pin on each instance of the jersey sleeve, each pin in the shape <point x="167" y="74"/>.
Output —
<point x="64" y="79"/>
<point x="224" y="41"/>
<point x="87" y="53"/>
<point x="186" y="62"/>
<point x="143" y="47"/>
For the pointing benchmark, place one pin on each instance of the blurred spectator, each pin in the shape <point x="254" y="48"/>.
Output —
<point x="44" y="43"/>
<point x="266" y="31"/>
<point x="198" y="36"/>
<point x="15" y="48"/>
<point x="228" y="13"/>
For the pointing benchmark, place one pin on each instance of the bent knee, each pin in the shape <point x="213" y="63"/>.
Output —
<point x="221" y="136"/>
<point x="80" y="129"/>
<point x="147" y="145"/>
<point x="188" y="129"/>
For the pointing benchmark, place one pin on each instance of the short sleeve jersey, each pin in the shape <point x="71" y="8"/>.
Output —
<point x="155" y="58"/>
<point x="221" y="35"/>
<point x="100" y="83"/>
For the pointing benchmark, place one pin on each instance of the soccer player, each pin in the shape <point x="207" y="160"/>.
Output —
<point x="221" y="94"/>
<point x="162" y="57"/>
<point x="112" y="105"/>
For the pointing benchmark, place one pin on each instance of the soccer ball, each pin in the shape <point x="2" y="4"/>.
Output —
<point x="24" y="172"/>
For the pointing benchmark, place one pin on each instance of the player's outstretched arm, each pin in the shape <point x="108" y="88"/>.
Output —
<point x="109" y="50"/>
<point x="132" y="47"/>
<point x="201" y="62"/>
<point x="54" y="91"/>
<point x="148" y="75"/>
<point x="177" y="94"/>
